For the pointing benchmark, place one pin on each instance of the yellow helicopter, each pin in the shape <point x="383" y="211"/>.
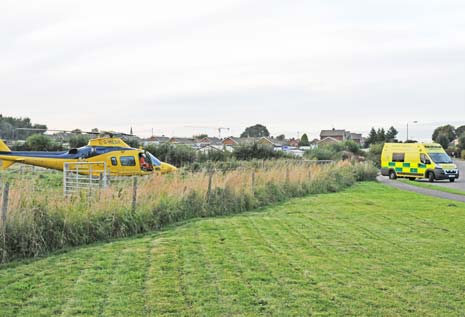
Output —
<point x="120" y="159"/>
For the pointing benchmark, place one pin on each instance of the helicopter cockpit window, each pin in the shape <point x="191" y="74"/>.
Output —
<point x="155" y="161"/>
<point x="73" y="151"/>
<point x="127" y="161"/>
<point x="114" y="162"/>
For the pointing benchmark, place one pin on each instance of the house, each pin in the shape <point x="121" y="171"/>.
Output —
<point x="454" y="143"/>
<point x="233" y="141"/>
<point x="328" y="140"/>
<point x="293" y="142"/>
<point x="340" y="135"/>
<point x="184" y="141"/>
<point x="155" y="140"/>
<point x="271" y="142"/>
<point x="209" y="141"/>
<point x="333" y="135"/>
<point x="357" y="138"/>
<point x="210" y="148"/>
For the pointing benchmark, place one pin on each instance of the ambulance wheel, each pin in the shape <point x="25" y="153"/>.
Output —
<point x="412" y="178"/>
<point x="431" y="177"/>
<point x="451" y="180"/>
<point x="392" y="175"/>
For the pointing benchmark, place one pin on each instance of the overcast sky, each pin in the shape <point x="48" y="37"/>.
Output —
<point x="295" y="66"/>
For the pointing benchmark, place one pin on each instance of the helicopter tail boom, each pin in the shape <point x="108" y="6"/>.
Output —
<point x="4" y="147"/>
<point x="4" y="164"/>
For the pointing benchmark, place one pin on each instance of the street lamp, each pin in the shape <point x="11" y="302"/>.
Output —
<point x="407" y="128"/>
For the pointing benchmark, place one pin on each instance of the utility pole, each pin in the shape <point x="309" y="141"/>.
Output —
<point x="407" y="128"/>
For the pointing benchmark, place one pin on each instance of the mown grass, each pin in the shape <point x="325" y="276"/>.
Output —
<point x="370" y="250"/>
<point x="435" y="187"/>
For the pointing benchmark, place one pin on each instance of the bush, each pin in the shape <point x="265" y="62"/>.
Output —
<point x="39" y="142"/>
<point x="177" y="155"/>
<point x="320" y="153"/>
<point x="76" y="141"/>
<point x="462" y="155"/>
<point x="374" y="153"/>
<point x="352" y="147"/>
<point x="334" y="151"/>
<point x="258" y="152"/>
<point x="214" y="156"/>
<point x="366" y="171"/>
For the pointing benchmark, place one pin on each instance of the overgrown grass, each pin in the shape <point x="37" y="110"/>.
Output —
<point x="40" y="220"/>
<point x="370" y="250"/>
<point x="435" y="187"/>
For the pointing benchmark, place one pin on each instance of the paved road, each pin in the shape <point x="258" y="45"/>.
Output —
<point x="458" y="184"/>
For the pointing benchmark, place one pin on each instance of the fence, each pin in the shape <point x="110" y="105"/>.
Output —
<point x="84" y="176"/>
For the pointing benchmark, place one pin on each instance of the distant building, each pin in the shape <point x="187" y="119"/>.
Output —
<point x="333" y="136"/>
<point x="357" y="138"/>
<point x="233" y="141"/>
<point x="340" y="135"/>
<point x="184" y="141"/>
<point x="293" y="142"/>
<point x="328" y="140"/>
<point x="211" y="148"/>
<point x="209" y="141"/>
<point x="155" y="140"/>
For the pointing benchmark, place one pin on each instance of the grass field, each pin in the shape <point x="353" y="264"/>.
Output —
<point x="432" y="186"/>
<point x="370" y="250"/>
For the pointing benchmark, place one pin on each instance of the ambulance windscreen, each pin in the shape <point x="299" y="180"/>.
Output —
<point x="440" y="158"/>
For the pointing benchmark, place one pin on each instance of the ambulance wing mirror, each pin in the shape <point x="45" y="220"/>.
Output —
<point x="427" y="162"/>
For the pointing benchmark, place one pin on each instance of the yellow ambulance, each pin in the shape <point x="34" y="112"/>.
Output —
<point x="417" y="160"/>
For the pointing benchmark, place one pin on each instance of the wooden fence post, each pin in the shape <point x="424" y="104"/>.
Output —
<point x="134" y="193"/>
<point x="253" y="182"/>
<point x="210" y="179"/>
<point x="6" y="190"/>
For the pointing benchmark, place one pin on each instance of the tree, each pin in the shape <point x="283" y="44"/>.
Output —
<point x="281" y="137"/>
<point x="77" y="141"/>
<point x="304" y="140"/>
<point x="371" y="139"/>
<point x="9" y="128"/>
<point x="40" y="142"/>
<point x="256" y="131"/>
<point x="132" y="142"/>
<point x="200" y="136"/>
<point x="178" y="155"/>
<point x="460" y="131"/>
<point x="462" y="142"/>
<point x="447" y="130"/>
<point x="380" y="135"/>
<point x="443" y="139"/>
<point x="391" y="134"/>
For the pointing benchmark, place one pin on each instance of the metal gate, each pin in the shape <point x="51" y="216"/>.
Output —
<point x="84" y="177"/>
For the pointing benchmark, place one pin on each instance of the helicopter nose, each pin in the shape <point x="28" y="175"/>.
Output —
<point x="167" y="168"/>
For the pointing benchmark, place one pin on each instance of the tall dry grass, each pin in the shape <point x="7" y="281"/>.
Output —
<point x="41" y="220"/>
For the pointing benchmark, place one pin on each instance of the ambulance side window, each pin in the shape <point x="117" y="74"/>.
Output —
<point x="424" y="159"/>
<point x="114" y="162"/>
<point x="398" y="157"/>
